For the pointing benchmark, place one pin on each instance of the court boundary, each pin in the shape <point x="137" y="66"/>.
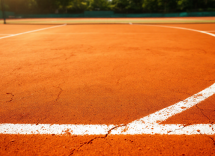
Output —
<point x="146" y="125"/>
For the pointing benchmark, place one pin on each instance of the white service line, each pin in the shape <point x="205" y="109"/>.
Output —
<point x="54" y="129"/>
<point x="177" y="108"/>
<point x="200" y="31"/>
<point x="48" y="129"/>
<point x="146" y="125"/>
<point x="151" y="122"/>
<point x="31" y="31"/>
<point x="167" y="129"/>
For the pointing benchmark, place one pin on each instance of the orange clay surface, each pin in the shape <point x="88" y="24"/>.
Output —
<point x="104" y="74"/>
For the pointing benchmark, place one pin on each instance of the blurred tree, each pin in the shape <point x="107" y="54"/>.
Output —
<point x="135" y="6"/>
<point x="151" y="5"/>
<point x="21" y="6"/>
<point x="169" y="5"/>
<point x="47" y="6"/>
<point x="78" y="6"/>
<point x="120" y="6"/>
<point x="99" y="4"/>
<point x="63" y="4"/>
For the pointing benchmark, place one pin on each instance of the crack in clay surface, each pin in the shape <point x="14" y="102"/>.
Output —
<point x="201" y="110"/>
<point x="91" y="141"/>
<point x="58" y="96"/>
<point x="177" y="129"/>
<point x="11" y="97"/>
<point x="208" y="137"/>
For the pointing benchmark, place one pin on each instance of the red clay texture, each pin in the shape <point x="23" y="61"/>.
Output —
<point x="195" y="145"/>
<point x="104" y="74"/>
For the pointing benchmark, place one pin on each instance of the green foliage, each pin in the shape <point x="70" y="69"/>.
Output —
<point x="128" y="6"/>
<point x="99" y="5"/>
<point x="120" y="6"/>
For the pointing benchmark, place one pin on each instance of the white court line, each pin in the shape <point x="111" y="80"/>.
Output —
<point x="54" y="129"/>
<point x="146" y="125"/>
<point x="204" y="32"/>
<point x="150" y="123"/>
<point x="31" y="31"/>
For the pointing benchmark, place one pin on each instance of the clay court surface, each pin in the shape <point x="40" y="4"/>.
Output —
<point x="105" y="75"/>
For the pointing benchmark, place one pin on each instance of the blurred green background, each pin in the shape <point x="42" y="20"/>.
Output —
<point x="117" y="6"/>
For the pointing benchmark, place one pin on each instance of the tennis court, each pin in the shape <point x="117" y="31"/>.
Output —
<point x="107" y="86"/>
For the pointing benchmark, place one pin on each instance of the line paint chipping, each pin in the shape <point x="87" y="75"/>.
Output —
<point x="54" y="129"/>
<point x="146" y="125"/>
